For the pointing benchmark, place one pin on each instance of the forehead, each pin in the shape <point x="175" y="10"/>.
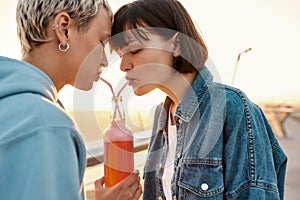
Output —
<point x="102" y="23"/>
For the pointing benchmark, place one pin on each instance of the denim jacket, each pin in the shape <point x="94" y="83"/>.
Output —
<point x="225" y="149"/>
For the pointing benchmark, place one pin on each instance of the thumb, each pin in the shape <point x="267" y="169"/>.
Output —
<point x="99" y="183"/>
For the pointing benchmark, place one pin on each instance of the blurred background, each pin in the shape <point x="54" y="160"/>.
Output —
<point x="270" y="28"/>
<point x="264" y="35"/>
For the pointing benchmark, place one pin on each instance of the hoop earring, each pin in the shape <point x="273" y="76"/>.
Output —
<point x="63" y="50"/>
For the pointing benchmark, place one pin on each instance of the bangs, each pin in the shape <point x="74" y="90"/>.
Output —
<point x="127" y="26"/>
<point x="128" y="35"/>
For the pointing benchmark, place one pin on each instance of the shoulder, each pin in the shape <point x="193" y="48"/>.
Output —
<point x="237" y="107"/>
<point x="235" y="100"/>
<point x="30" y="111"/>
<point x="54" y="115"/>
<point x="36" y="120"/>
<point x="239" y="110"/>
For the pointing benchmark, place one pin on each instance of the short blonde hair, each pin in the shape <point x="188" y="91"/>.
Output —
<point x="32" y="17"/>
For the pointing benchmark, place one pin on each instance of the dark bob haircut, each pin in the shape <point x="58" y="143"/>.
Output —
<point x="162" y="14"/>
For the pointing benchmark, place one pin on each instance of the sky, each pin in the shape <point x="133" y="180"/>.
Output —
<point x="270" y="71"/>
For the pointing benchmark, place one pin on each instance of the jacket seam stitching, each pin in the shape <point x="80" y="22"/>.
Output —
<point x="249" y="184"/>
<point x="250" y="138"/>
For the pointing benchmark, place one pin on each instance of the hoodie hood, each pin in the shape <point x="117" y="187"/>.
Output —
<point x="20" y="77"/>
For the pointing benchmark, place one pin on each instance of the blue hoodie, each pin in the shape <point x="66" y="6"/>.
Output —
<point x="42" y="156"/>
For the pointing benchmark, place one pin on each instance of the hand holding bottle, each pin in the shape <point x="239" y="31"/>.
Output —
<point x="128" y="189"/>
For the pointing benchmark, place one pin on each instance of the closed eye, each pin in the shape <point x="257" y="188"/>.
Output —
<point x="135" y="51"/>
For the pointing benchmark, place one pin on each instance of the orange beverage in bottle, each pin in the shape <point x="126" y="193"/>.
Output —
<point x="118" y="152"/>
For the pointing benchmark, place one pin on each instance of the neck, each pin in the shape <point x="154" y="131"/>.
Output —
<point x="177" y="87"/>
<point x="46" y="64"/>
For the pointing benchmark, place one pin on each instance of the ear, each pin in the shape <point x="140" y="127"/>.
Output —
<point x="62" y="23"/>
<point x="176" y="44"/>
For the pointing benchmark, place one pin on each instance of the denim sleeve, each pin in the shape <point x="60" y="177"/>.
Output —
<point x="249" y="171"/>
<point x="41" y="165"/>
<point x="279" y="157"/>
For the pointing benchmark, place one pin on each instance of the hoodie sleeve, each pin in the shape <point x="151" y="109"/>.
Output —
<point x="43" y="165"/>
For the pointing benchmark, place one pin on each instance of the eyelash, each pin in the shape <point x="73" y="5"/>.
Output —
<point x="135" y="51"/>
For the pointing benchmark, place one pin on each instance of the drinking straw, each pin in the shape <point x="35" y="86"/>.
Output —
<point x="115" y="98"/>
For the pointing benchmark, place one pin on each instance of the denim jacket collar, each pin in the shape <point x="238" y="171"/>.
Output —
<point x="191" y="100"/>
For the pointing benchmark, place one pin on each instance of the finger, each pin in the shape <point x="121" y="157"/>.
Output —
<point x="99" y="183"/>
<point x="132" y="190"/>
<point x="129" y="194"/>
<point x="138" y="193"/>
<point x="129" y="189"/>
<point x="130" y="180"/>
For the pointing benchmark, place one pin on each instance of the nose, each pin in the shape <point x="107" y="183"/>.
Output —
<point x="126" y="64"/>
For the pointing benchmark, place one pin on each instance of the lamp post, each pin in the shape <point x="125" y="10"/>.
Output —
<point x="237" y="62"/>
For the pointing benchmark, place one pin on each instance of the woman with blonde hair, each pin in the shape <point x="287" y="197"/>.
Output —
<point x="42" y="155"/>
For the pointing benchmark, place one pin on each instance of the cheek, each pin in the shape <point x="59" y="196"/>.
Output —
<point x="150" y="77"/>
<point x="157" y="56"/>
<point x="154" y="73"/>
<point x="94" y="56"/>
<point x="88" y="71"/>
<point x="84" y="45"/>
<point x="90" y="56"/>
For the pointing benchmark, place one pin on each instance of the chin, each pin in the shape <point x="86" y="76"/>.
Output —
<point x="83" y="86"/>
<point x="140" y="91"/>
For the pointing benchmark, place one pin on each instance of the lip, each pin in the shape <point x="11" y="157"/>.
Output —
<point x="130" y="80"/>
<point x="99" y="72"/>
<point x="98" y="75"/>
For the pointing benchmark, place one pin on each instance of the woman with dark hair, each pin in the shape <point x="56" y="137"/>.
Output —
<point x="209" y="141"/>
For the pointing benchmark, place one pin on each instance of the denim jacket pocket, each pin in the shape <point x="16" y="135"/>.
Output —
<point x="201" y="179"/>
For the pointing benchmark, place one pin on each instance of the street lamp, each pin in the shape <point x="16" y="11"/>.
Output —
<point x="237" y="62"/>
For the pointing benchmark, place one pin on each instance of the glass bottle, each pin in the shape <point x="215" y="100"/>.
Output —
<point x="118" y="147"/>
